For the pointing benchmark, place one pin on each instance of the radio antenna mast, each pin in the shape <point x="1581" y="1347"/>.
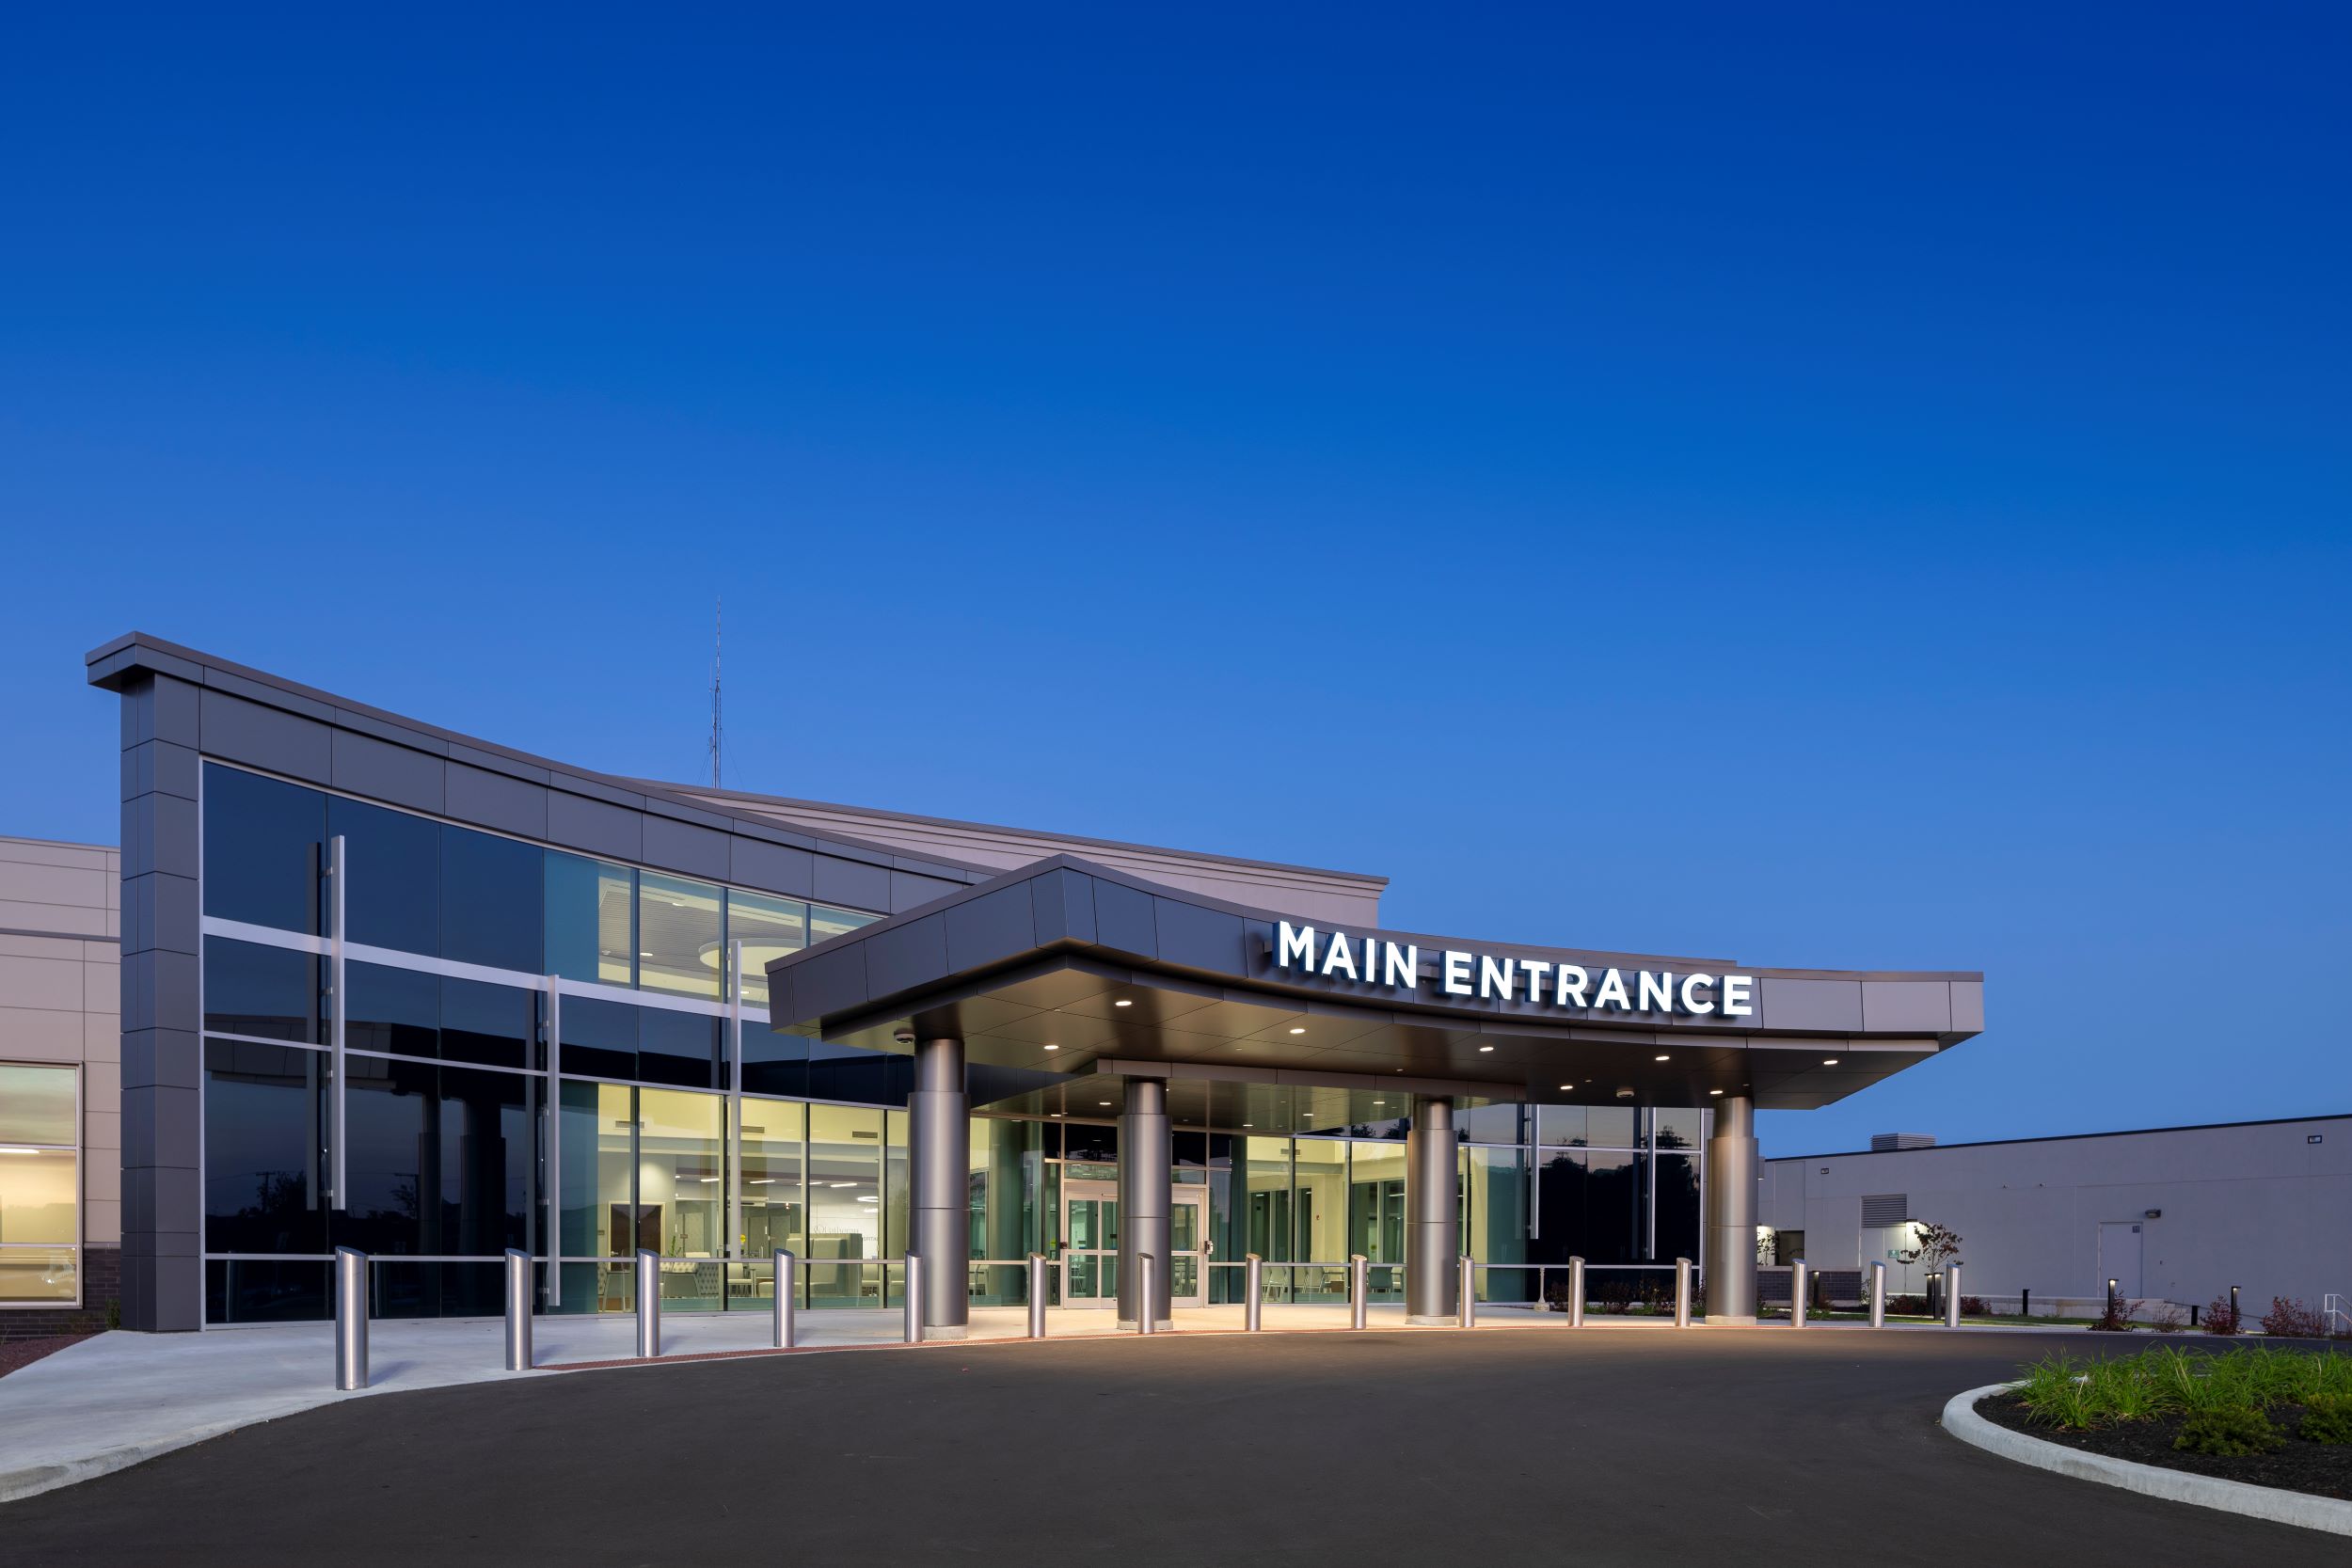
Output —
<point x="717" y="642"/>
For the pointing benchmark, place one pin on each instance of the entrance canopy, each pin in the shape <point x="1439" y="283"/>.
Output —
<point x="1068" y="967"/>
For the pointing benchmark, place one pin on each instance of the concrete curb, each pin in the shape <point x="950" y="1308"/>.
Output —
<point x="33" y="1479"/>
<point x="2153" y="1481"/>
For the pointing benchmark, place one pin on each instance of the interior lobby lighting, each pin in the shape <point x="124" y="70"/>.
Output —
<point x="1567" y="1086"/>
<point x="1485" y="1048"/>
<point x="1052" y="1048"/>
<point x="1298" y="1031"/>
<point x="1661" y="1057"/>
<point x="1829" y="1061"/>
<point x="13" y="1150"/>
<point x="761" y="1181"/>
<point x="1714" y="1091"/>
<point x="1122" y="1002"/>
<point x="840" y="1183"/>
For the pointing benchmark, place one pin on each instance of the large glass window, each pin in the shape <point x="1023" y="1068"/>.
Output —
<point x="679" y="1048"/>
<point x="767" y="929"/>
<point x="495" y="1025"/>
<point x="845" y="1222"/>
<point x="681" y="1173"/>
<point x="591" y="920"/>
<point x="263" y="1140"/>
<point x="394" y="863"/>
<point x="262" y="849"/>
<point x="678" y="928"/>
<point x="1007" y="1162"/>
<point x="1495" y="1219"/>
<point x="824" y="923"/>
<point x="491" y="908"/>
<point x="775" y="1211"/>
<point x="599" y="1038"/>
<point x="1678" y="1180"/>
<point x="40" y="1186"/>
<point x="253" y="989"/>
<point x="395" y="1011"/>
<point x="440" y="1159"/>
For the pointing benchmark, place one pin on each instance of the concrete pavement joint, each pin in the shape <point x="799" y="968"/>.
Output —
<point x="2181" y="1487"/>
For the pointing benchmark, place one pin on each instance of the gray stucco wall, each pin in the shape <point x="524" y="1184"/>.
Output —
<point x="2256" y="1205"/>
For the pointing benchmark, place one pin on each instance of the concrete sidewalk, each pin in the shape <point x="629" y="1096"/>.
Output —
<point x="121" y="1398"/>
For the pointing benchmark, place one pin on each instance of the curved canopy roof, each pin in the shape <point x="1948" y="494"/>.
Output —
<point x="1069" y="967"/>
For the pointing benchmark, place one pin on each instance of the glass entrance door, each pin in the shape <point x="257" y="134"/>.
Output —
<point x="1089" y="1245"/>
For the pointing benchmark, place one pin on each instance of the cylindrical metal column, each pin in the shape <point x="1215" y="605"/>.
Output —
<point x="517" y="1310"/>
<point x="788" y="1299"/>
<point x="1799" y="1278"/>
<point x="1682" y="1293"/>
<point x="1576" y="1293"/>
<point x="1731" y="1171"/>
<point x="1144" y="1200"/>
<point x="916" y="1271"/>
<point x="1466" y="1294"/>
<point x="1358" y="1290"/>
<point x="939" y="1151"/>
<point x="1253" y="1294"/>
<point x="648" y="1305"/>
<point x="351" y="1318"/>
<point x="1951" y="1296"/>
<point x="1433" y="1228"/>
<point x="1037" y="1295"/>
<point x="1878" y="1294"/>
<point x="1148" y="1322"/>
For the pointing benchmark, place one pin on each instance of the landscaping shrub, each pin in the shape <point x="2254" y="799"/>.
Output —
<point x="2116" y="1318"/>
<point x="1973" y="1307"/>
<point x="2293" y="1320"/>
<point x="2326" y="1418"/>
<point x="2168" y="1318"/>
<point x="1911" y="1306"/>
<point x="2228" y="1432"/>
<point x="2064" y="1391"/>
<point x="2221" y="1317"/>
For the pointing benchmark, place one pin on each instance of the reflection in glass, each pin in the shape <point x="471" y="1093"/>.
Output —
<point x="677" y="936"/>
<point x="269" y="991"/>
<point x="1678" y="1180"/>
<point x="824" y="924"/>
<point x="37" y="1106"/>
<point x="1494" y="1225"/>
<point x="599" y="1038"/>
<point x="394" y="863"/>
<point x="591" y="920"/>
<point x="1375" y="1209"/>
<point x="263" y="1140"/>
<point x="392" y="1010"/>
<point x="262" y="851"/>
<point x="491" y="909"/>
<point x="767" y="929"/>
<point x="775" y="1207"/>
<point x="1008" y="1159"/>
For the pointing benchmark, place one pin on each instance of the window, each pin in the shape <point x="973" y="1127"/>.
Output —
<point x="491" y="904"/>
<point x="393" y="861"/>
<point x="767" y="928"/>
<point x="40" y="1186"/>
<point x="264" y="1137"/>
<point x="826" y="924"/>
<point x="591" y="920"/>
<point x="269" y="991"/>
<point x="262" y="851"/>
<point x="677" y="936"/>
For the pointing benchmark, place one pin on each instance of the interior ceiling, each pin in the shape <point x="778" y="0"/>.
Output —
<point x="1070" y="1018"/>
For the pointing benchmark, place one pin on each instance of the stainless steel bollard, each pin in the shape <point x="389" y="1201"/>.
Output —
<point x="788" y="1299"/>
<point x="1951" y="1296"/>
<point x="1878" y="1294"/>
<point x="1576" y="1293"/>
<point x="1253" y="1294"/>
<point x="914" y="1299"/>
<point x="519" y="1310"/>
<point x="1682" y="1293"/>
<point x="1037" y="1295"/>
<point x="1147" y="1306"/>
<point x="1799" y="1278"/>
<point x="1358" y="1290"/>
<point x="351" y="1318"/>
<point x="1466" y="1306"/>
<point x="648" y="1305"/>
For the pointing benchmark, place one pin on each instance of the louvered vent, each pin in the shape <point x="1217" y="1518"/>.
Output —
<point x="1883" y="1209"/>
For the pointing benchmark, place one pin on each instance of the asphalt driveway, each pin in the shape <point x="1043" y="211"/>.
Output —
<point x="1718" y="1445"/>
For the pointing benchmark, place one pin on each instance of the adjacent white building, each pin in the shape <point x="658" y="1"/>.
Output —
<point x="2174" y="1213"/>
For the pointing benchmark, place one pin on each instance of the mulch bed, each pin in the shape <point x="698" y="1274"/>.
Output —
<point x="2320" y="1468"/>
<point x="24" y="1352"/>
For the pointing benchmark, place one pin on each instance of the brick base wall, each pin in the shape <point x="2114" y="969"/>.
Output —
<point x="102" y="1288"/>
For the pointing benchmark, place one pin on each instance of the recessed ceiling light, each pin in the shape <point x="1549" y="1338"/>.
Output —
<point x="840" y="1183"/>
<point x="1567" y="1086"/>
<point x="1054" y="1112"/>
<point x="1485" y="1048"/>
<point x="1298" y="1031"/>
<point x="1714" y="1091"/>
<point x="1052" y="1048"/>
<point x="1661" y="1057"/>
<point x="1123" y="1003"/>
<point x="762" y="1181"/>
<point x="1829" y="1061"/>
<point x="1250" y="1124"/>
<point x="1101" y="1103"/>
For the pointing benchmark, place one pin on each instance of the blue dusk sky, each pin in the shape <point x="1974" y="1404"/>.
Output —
<point x="1823" y="487"/>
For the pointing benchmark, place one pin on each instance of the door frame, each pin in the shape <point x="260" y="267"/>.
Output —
<point x="1094" y="1189"/>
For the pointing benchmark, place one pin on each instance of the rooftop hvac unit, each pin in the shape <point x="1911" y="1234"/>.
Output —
<point x="1883" y="1143"/>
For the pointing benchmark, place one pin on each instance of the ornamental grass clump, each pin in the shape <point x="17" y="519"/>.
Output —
<point x="2164" y="1381"/>
<point x="2228" y="1432"/>
<point x="2326" y="1418"/>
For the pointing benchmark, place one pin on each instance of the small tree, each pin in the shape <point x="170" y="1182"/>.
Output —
<point x="1935" y="1245"/>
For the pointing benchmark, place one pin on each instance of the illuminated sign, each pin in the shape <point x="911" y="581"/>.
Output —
<point x="1371" y="961"/>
